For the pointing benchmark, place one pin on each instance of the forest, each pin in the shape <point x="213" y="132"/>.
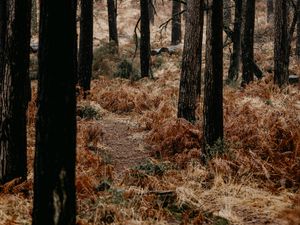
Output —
<point x="149" y="112"/>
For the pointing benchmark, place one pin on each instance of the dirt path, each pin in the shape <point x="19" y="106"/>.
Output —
<point x="123" y="144"/>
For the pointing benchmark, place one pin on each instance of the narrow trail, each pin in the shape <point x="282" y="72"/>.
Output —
<point x="123" y="144"/>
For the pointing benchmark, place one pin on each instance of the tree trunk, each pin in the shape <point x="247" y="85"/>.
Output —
<point x="86" y="45"/>
<point x="270" y="11"/>
<point x="176" y="22"/>
<point x="145" y="39"/>
<point x="190" y="80"/>
<point x="233" y="71"/>
<point x="14" y="87"/>
<point x="151" y="11"/>
<point x="298" y="33"/>
<point x="112" y="22"/>
<point x="185" y="8"/>
<point x="227" y="13"/>
<point x="34" y="20"/>
<point x="213" y="88"/>
<point x="248" y="41"/>
<point x="281" y="50"/>
<point x="54" y="166"/>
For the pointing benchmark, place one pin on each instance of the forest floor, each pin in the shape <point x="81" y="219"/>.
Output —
<point x="138" y="164"/>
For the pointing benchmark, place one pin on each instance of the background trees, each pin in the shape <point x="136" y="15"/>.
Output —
<point x="85" y="59"/>
<point x="145" y="39"/>
<point x="281" y="46"/>
<point x="14" y="87"/>
<point x="112" y="21"/>
<point x="54" y="172"/>
<point x="248" y="41"/>
<point x="270" y="10"/>
<point x="176" y="22"/>
<point x="233" y="70"/>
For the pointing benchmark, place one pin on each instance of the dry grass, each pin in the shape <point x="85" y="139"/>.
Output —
<point x="255" y="182"/>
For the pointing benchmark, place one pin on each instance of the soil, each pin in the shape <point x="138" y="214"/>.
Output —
<point x="122" y="143"/>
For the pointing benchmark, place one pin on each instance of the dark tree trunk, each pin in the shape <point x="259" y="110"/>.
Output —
<point x="190" y="80"/>
<point x="14" y="87"/>
<point x="86" y="45"/>
<point x="298" y="33"/>
<point x="54" y="165"/>
<point x="145" y="39"/>
<point x="281" y="50"/>
<point x="270" y="10"/>
<point x="233" y="71"/>
<point x="112" y="21"/>
<point x="248" y="41"/>
<point x="176" y="23"/>
<point x="227" y="12"/>
<point x="213" y="88"/>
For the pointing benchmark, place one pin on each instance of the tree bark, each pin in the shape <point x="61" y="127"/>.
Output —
<point x="14" y="87"/>
<point x="85" y="59"/>
<point x="190" y="80"/>
<point x="34" y="19"/>
<point x="54" y="164"/>
<point x="213" y="87"/>
<point x="281" y="49"/>
<point x="227" y="12"/>
<point x="298" y="32"/>
<point x="233" y="71"/>
<point x="270" y="11"/>
<point x="145" y="39"/>
<point x="248" y="41"/>
<point x="176" y="23"/>
<point x="151" y="12"/>
<point x="112" y="22"/>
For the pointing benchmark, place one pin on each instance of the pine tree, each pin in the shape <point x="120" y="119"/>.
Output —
<point x="176" y="22"/>
<point x="233" y="70"/>
<point x="145" y="39"/>
<point x="14" y="87"/>
<point x="112" y="21"/>
<point x="85" y="59"/>
<point x="281" y="51"/>
<point x="213" y="78"/>
<point x="54" y="164"/>
<point x="189" y="89"/>
<point x="248" y="41"/>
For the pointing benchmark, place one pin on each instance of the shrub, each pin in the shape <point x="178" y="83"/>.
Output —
<point x="88" y="112"/>
<point x="104" y="58"/>
<point x="126" y="69"/>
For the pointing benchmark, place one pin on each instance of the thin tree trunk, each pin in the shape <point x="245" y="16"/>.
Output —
<point x="86" y="45"/>
<point x="176" y="22"/>
<point x="190" y="80"/>
<point x="233" y="71"/>
<point x="281" y="49"/>
<point x="298" y="33"/>
<point x="145" y="39"/>
<point x="34" y="19"/>
<point x="227" y="13"/>
<point x="14" y="87"/>
<point x="270" y="11"/>
<point x="151" y="11"/>
<point x="248" y="41"/>
<point x="213" y="88"/>
<point x="54" y="164"/>
<point x="112" y="22"/>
